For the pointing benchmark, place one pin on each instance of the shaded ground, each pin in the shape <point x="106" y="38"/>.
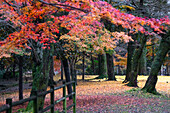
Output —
<point x="99" y="96"/>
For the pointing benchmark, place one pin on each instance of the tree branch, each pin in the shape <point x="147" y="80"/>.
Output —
<point x="67" y="6"/>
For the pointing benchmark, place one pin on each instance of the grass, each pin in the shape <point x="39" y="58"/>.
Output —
<point x="141" y="94"/>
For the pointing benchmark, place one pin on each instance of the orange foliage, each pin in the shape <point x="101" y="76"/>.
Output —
<point x="35" y="20"/>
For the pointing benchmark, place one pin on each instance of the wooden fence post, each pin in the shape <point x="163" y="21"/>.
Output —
<point x="74" y="97"/>
<point x="64" y="101"/>
<point x="9" y="102"/>
<point x="35" y="103"/>
<point x="52" y="98"/>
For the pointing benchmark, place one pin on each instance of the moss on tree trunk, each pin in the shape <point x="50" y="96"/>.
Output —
<point x="164" y="47"/>
<point x="135" y="62"/>
<point x="40" y="73"/>
<point x="102" y="66"/>
<point x="142" y="62"/>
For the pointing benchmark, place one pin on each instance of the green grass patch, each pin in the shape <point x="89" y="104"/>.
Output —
<point x="142" y="94"/>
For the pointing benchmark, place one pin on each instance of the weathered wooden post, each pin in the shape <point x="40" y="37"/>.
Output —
<point x="52" y="98"/>
<point x="74" y="97"/>
<point x="64" y="101"/>
<point x="9" y="102"/>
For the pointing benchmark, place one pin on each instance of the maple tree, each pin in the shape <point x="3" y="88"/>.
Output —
<point x="37" y="25"/>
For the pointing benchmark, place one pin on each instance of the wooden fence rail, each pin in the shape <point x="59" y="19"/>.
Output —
<point x="10" y="104"/>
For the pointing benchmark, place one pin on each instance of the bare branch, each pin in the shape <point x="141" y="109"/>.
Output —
<point x="67" y="6"/>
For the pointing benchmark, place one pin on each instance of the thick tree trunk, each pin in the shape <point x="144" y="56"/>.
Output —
<point x="130" y="50"/>
<point x="67" y="74"/>
<point x="142" y="63"/>
<point x="110" y="67"/>
<point x="135" y="62"/>
<point x="20" y="77"/>
<point x="51" y="72"/>
<point x="102" y="66"/>
<point x="40" y="73"/>
<point x="156" y="65"/>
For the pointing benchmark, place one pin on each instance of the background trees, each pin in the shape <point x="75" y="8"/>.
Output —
<point x="69" y="28"/>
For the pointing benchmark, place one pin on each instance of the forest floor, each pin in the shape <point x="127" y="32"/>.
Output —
<point x="101" y="96"/>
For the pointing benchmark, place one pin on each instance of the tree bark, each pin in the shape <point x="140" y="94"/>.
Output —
<point x="102" y="66"/>
<point x="135" y="62"/>
<point x="142" y="62"/>
<point x="40" y="73"/>
<point x="51" y="72"/>
<point x="67" y="74"/>
<point x="110" y="67"/>
<point x="20" y="77"/>
<point x="83" y="68"/>
<point x="13" y="70"/>
<point x="130" y="50"/>
<point x="92" y="65"/>
<point x="156" y="65"/>
<point x="62" y="73"/>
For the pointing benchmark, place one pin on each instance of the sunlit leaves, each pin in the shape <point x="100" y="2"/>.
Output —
<point x="38" y="21"/>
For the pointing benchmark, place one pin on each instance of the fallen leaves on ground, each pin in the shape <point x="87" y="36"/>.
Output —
<point x="99" y="96"/>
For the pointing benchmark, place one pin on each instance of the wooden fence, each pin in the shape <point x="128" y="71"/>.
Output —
<point x="10" y="104"/>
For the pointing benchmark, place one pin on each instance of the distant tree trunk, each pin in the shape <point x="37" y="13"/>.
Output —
<point x="135" y="62"/>
<point x="142" y="62"/>
<point x="20" y="77"/>
<point x="92" y="65"/>
<point x="67" y="74"/>
<point x="13" y="70"/>
<point x="72" y="68"/>
<point x="130" y="50"/>
<point x="119" y="70"/>
<point x="167" y="70"/>
<point x="153" y="51"/>
<point x="62" y="73"/>
<point x="40" y="72"/>
<point x="83" y="68"/>
<point x="157" y="63"/>
<point x="141" y="2"/>
<point x="2" y="69"/>
<point x="102" y="66"/>
<point x="110" y="67"/>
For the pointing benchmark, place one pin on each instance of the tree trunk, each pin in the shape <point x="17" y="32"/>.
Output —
<point x="20" y="77"/>
<point x="142" y="63"/>
<point x="156" y="65"/>
<point x="51" y="72"/>
<point x="135" y="62"/>
<point x="2" y="69"/>
<point x="67" y="74"/>
<point x="62" y="73"/>
<point x="130" y="50"/>
<point x="13" y="70"/>
<point x="102" y="66"/>
<point x="92" y="65"/>
<point x="110" y="67"/>
<point x="83" y="67"/>
<point x="40" y="73"/>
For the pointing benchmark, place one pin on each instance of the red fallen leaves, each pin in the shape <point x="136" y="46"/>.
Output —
<point x="99" y="96"/>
